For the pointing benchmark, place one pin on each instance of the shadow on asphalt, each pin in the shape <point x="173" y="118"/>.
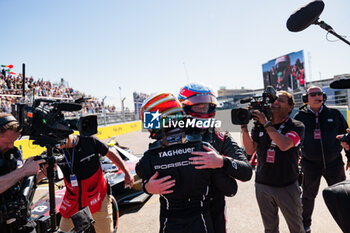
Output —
<point x="131" y="208"/>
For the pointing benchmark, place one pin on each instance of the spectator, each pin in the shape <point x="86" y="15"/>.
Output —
<point x="11" y="86"/>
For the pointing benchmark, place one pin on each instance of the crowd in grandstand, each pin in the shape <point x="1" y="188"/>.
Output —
<point x="11" y="93"/>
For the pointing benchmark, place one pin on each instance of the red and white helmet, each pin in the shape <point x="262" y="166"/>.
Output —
<point x="195" y="94"/>
<point x="166" y="104"/>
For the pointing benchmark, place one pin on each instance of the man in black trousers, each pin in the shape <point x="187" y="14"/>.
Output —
<point x="321" y="150"/>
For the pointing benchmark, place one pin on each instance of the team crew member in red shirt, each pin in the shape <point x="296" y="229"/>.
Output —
<point x="277" y="143"/>
<point x="85" y="182"/>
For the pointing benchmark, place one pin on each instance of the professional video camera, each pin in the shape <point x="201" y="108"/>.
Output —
<point x="15" y="212"/>
<point x="242" y="116"/>
<point x="44" y="121"/>
<point x="15" y="207"/>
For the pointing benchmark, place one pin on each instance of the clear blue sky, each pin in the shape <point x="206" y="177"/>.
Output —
<point x="142" y="45"/>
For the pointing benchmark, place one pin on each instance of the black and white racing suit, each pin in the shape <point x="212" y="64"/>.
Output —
<point x="235" y="166"/>
<point x="186" y="210"/>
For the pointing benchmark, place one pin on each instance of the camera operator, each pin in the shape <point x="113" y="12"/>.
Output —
<point x="85" y="181"/>
<point x="184" y="199"/>
<point x="321" y="151"/>
<point x="11" y="175"/>
<point x="277" y="144"/>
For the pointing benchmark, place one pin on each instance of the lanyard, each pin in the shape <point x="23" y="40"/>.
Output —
<point x="316" y="120"/>
<point x="69" y="165"/>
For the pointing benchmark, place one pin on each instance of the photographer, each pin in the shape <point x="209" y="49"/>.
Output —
<point x="11" y="176"/>
<point x="321" y="151"/>
<point x="85" y="182"/>
<point x="277" y="144"/>
<point x="184" y="199"/>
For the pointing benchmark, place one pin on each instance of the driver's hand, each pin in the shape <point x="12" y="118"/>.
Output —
<point x="159" y="186"/>
<point x="209" y="159"/>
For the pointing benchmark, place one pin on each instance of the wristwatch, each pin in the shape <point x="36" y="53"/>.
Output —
<point x="267" y="124"/>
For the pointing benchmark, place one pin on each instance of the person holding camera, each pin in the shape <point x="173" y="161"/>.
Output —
<point x="12" y="176"/>
<point x="321" y="150"/>
<point x="277" y="143"/>
<point x="167" y="169"/>
<point x="85" y="181"/>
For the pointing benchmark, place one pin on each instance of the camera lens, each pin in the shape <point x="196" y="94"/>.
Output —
<point x="240" y="116"/>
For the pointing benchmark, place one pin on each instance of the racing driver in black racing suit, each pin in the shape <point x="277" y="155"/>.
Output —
<point x="200" y="102"/>
<point x="185" y="208"/>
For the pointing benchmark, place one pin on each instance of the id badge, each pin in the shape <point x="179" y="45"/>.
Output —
<point x="270" y="156"/>
<point x="317" y="134"/>
<point x="73" y="180"/>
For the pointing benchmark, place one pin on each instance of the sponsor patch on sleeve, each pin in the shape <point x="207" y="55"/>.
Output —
<point x="221" y="135"/>
<point x="294" y="136"/>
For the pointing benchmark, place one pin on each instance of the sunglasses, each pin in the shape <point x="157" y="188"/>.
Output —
<point x="313" y="94"/>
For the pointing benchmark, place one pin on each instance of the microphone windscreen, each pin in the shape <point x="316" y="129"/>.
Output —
<point x="305" y="16"/>
<point x="340" y="84"/>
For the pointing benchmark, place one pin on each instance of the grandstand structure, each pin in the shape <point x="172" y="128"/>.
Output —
<point x="11" y="92"/>
<point x="230" y="98"/>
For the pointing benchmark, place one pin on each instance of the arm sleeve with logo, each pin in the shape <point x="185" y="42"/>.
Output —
<point x="144" y="169"/>
<point x="296" y="133"/>
<point x="101" y="147"/>
<point x="295" y="137"/>
<point x="224" y="183"/>
<point x="236" y="164"/>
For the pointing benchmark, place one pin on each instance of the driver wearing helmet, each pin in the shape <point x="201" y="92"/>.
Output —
<point x="199" y="102"/>
<point x="184" y="208"/>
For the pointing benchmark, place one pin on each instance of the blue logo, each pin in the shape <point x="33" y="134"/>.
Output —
<point x="151" y="120"/>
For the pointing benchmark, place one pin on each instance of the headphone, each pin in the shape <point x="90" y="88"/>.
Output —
<point x="7" y="119"/>
<point x="305" y="97"/>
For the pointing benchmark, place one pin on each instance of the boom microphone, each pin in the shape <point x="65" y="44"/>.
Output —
<point x="340" y="84"/>
<point x="70" y="107"/>
<point x="305" y="16"/>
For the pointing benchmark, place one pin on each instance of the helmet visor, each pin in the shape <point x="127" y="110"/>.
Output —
<point x="200" y="99"/>
<point x="203" y="111"/>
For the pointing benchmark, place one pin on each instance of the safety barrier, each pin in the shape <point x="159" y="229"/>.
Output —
<point x="29" y="149"/>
